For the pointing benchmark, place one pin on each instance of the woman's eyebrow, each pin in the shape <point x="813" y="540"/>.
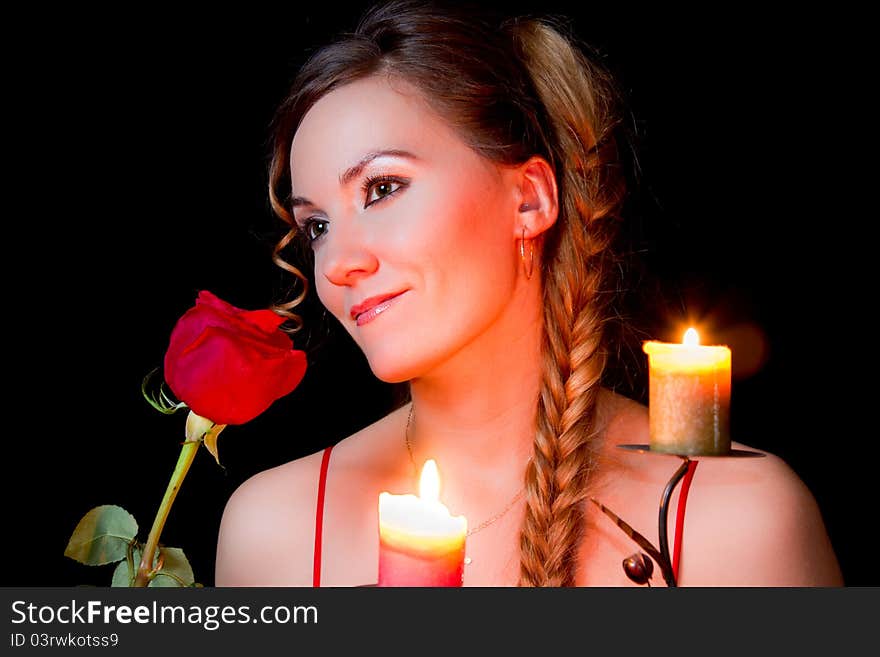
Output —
<point x="355" y="170"/>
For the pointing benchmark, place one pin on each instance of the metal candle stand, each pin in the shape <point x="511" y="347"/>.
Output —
<point x="640" y="572"/>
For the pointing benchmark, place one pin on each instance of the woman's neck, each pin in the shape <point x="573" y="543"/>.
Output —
<point x="475" y="414"/>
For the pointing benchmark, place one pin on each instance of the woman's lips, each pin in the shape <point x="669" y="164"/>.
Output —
<point x="378" y="309"/>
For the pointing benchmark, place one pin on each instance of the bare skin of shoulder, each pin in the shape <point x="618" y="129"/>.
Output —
<point x="749" y="522"/>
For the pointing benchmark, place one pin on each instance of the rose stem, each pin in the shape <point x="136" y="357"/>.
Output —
<point x="187" y="453"/>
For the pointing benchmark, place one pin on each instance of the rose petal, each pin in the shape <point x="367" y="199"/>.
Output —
<point x="229" y="365"/>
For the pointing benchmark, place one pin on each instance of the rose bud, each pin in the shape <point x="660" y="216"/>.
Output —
<point x="229" y="365"/>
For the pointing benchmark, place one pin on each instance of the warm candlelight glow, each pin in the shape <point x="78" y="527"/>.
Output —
<point x="420" y="542"/>
<point x="429" y="482"/>
<point x="691" y="337"/>
<point x="689" y="396"/>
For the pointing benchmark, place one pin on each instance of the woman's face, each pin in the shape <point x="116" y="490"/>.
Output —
<point x="397" y="206"/>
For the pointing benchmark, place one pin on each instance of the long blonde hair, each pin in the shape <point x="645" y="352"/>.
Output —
<point x="512" y="88"/>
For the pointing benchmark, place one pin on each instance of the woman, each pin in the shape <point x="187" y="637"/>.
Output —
<point x="458" y="180"/>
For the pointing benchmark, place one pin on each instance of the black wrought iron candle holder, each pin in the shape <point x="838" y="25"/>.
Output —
<point x="635" y="567"/>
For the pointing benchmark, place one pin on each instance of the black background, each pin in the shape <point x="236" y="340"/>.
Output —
<point x="140" y="179"/>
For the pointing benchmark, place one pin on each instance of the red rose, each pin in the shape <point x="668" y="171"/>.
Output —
<point x="227" y="364"/>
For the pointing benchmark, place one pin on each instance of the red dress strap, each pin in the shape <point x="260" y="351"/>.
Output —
<point x="319" y="516"/>
<point x="679" y="516"/>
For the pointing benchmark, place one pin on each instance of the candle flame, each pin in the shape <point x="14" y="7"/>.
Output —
<point x="429" y="482"/>
<point x="691" y="337"/>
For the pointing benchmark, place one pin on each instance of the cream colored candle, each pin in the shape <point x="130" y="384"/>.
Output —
<point x="420" y="542"/>
<point x="689" y="397"/>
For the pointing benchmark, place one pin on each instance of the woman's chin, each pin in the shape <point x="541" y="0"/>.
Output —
<point x="397" y="362"/>
<point x="391" y="375"/>
<point x="391" y="368"/>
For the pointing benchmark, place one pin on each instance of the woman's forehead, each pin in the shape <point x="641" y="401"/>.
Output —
<point x="365" y="116"/>
<point x="371" y="111"/>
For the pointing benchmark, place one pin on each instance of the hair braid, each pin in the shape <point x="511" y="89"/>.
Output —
<point x="575" y="304"/>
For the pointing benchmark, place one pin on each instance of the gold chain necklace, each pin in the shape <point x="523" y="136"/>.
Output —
<point x="485" y="523"/>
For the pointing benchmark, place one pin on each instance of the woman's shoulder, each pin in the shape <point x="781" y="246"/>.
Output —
<point x="268" y="526"/>
<point x="754" y="522"/>
<point x="749" y="521"/>
<point x="266" y="530"/>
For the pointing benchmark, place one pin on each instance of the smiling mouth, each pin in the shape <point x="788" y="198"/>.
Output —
<point x="371" y="314"/>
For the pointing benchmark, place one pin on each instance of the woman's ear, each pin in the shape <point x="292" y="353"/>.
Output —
<point x="537" y="198"/>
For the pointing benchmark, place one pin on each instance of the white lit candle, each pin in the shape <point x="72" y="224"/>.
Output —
<point x="420" y="542"/>
<point x="689" y="396"/>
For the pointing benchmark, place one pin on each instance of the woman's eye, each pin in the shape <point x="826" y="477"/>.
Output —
<point x="379" y="189"/>
<point x="314" y="229"/>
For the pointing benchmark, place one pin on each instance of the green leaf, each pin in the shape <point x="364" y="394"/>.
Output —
<point x="175" y="571"/>
<point x="102" y="536"/>
<point x="121" y="575"/>
<point x="126" y="569"/>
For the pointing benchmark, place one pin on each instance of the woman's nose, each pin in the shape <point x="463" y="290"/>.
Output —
<point x="347" y="256"/>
